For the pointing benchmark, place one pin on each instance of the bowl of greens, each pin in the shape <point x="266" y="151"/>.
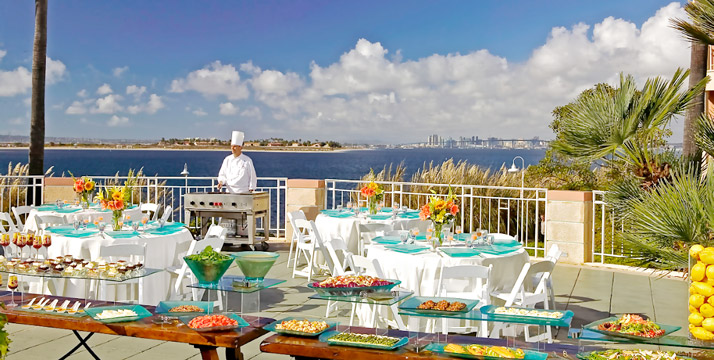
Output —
<point x="208" y="266"/>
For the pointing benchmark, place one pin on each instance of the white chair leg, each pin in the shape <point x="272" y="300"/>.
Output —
<point x="397" y="317"/>
<point x="290" y="253"/>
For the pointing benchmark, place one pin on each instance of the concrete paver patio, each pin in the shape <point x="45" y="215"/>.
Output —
<point x="592" y="293"/>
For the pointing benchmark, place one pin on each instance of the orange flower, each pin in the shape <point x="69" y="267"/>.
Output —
<point x="79" y="186"/>
<point x="454" y="209"/>
<point x="118" y="204"/>
<point x="425" y="212"/>
<point x="104" y="204"/>
<point x="367" y="191"/>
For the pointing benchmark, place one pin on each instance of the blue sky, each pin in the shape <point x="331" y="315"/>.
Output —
<point x="373" y="71"/>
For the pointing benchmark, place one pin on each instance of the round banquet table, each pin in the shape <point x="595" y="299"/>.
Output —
<point x="74" y="211"/>
<point x="420" y="272"/>
<point x="161" y="252"/>
<point x="346" y="227"/>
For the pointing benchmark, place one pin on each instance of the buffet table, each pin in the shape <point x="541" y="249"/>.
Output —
<point x="344" y="225"/>
<point x="161" y="252"/>
<point x="71" y="212"/>
<point x="207" y="343"/>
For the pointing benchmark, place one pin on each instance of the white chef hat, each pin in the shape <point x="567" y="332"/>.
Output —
<point x="237" y="138"/>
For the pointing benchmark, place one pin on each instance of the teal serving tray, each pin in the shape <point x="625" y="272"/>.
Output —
<point x="407" y="248"/>
<point x="387" y="239"/>
<point x="490" y="312"/>
<point x="140" y="311"/>
<point x="668" y="329"/>
<point x="325" y="337"/>
<point x="412" y="304"/>
<point x="459" y="252"/>
<point x="272" y="327"/>
<point x="439" y="349"/>
<point x="164" y="306"/>
<point x="241" y="323"/>
<point x="593" y="355"/>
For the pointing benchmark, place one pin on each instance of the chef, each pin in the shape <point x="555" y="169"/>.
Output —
<point x="237" y="173"/>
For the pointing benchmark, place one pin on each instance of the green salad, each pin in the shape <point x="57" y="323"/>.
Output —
<point x="208" y="255"/>
<point x="631" y="355"/>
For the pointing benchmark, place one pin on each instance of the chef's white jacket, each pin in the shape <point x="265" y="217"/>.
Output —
<point x="237" y="174"/>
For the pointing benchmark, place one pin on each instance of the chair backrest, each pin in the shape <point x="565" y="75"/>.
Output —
<point x="213" y="241"/>
<point x="482" y="275"/>
<point x="554" y="253"/>
<point x="365" y="266"/>
<point x="216" y="231"/>
<point x="301" y="229"/>
<point x="131" y="252"/>
<point x="369" y="231"/>
<point x="337" y="268"/>
<point x="50" y="220"/>
<point x="150" y="210"/>
<point x="21" y="213"/>
<point x="518" y="294"/>
<point x="6" y="218"/>
<point x="168" y="213"/>
<point x="292" y="216"/>
<point x="133" y="214"/>
<point x="318" y="243"/>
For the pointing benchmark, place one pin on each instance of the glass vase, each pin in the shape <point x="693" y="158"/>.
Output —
<point x="116" y="220"/>
<point x="438" y="235"/>
<point x="372" y="204"/>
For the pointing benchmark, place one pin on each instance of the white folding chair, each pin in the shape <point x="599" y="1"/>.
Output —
<point x="332" y="247"/>
<point x="150" y="210"/>
<point x="21" y="213"/>
<point x="10" y="226"/>
<point x="306" y="245"/>
<point x="43" y="221"/>
<point x="292" y="216"/>
<point x="369" y="231"/>
<point x="522" y="297"/>
<point x="365" y="266"/>
<point x="480" y="290"/>
<point x="129" y="252"/>
<point x="167" y="213"/>
<point x="133" y="214"/>
<point x="215" y="238"/>
<point x="553" y="254"/>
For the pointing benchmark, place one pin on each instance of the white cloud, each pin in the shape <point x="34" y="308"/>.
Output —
<point x="199" y="112"/>
<point x="107" y="105"/>
<point x="151" y="107"/>
<point x="2" y="54"/>
<point x="214" y="79"/>
<point x="82" y="93"/>
<point x="77" y="108"/>
<point x="252" y="112"/>
<point x="119" y="71"/>
<point x="116" y="121"/>
<point x="104" y="89"/>
<point x="228" y="109"/>
<point x="137" y="91"/>
<point x="19" y="81"/>
<point x="474" y="93"/>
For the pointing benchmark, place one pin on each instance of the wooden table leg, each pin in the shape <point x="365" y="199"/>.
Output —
<point x="234" y="354"/>
<point x="208" y="352"/>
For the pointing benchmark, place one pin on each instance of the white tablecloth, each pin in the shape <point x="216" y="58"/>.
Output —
<point x="93" y="213"/>
<point x="347" y="229"/>
<point x="160" y="254"/>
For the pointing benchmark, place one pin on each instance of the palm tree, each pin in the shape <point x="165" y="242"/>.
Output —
<point x="39" y="66"/>
<point x="699" y="30"/>
<point x="626" y="125"/>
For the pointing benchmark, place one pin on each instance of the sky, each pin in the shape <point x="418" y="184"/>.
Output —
<point x="351" y="71"/>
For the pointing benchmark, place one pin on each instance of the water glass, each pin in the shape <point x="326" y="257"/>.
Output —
<point x="161" y="223"/>
<point x="403" y="236"/>
<point x="101" y="225"/>
<point x="135" y="226"/>
<point x="75" y="224"/>
<point x="339" y="207"/>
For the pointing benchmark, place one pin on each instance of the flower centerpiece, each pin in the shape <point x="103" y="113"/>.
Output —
<point x="374" y="194"/>
<point x="115" y="199"/>
<point x="84" y="187"/>
<point x="440" y="211"/>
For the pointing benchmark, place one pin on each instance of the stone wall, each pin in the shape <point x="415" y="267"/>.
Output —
<point x="306" y="195"/>
<point x="569" y="224"/>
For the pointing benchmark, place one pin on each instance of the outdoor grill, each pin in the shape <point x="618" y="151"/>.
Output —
<point x="243" y="208"/>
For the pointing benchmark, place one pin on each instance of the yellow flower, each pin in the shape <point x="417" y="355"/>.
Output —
<point x="118" y="195"/>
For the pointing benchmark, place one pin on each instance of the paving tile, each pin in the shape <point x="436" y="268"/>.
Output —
<point x="631" y="294"/>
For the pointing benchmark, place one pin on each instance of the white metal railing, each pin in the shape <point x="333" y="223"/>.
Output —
<point x="516" y="211"/>
<point x="17" y="191"/>
<point x="605" y="227"/>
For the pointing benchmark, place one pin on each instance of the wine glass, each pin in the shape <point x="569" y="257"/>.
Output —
<point x="144" y="220"/>
<point x="474" y="239"/>
<point x="46" y="242"/>
<point x="75" y="224"/>
<point x="5" y="242"/>
<point x="12" y="284"/>
<point x="37" y="244"/>
<point x="101" y="226"/>
<point x="15" y="238"/>
<point x="161" y="223"/>
<point x="21" y="242"/>
<point x="135" y="226"/>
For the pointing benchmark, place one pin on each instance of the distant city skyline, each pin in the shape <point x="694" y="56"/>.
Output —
<point x="368" y="71"/>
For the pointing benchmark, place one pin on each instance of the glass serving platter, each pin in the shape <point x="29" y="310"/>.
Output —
<point x="164" y="306"/>
<point x="273" y="327"/>
<point x="140" y="311"/>
<point x="350" y="291"/>
<point x="412" y="304"/>
<point x="79" y="313"/>
<point x="593" y="326"/>
<point x="592" y="355"/>
<point x="241" y="323"/>
<point x="490" y="312"/>
<point x="439" y="349"/>
<point x="325" y="337"/>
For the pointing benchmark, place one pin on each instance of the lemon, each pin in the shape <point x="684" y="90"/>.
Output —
<point x="707" y="256"/>
<point x="692" y="309"/>
<point x="702" y="333"/>
<point x="696" y="319"/>
<point x="710" y="300"/>
<point x="710" y="272"/>
<point x="692" y="289"/>
<point x="698" y="271"/>
<point x="696" y="300"/>
<point x="707" y="310"/>
<point x="695" y="250"/>
<point x="703" y="288"/>
<point x="708" y="324"/>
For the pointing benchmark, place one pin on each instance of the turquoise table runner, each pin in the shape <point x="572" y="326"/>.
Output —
<point x="459" y="252"/>
<point x="407" y="248"/>
<point x="387" y="239"/>
<point x="122" y="234"/>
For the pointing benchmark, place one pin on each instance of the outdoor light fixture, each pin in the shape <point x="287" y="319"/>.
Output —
<point x="185" y="169"/>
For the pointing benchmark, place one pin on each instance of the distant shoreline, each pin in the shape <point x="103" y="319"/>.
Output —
<point x="281" y="150"/>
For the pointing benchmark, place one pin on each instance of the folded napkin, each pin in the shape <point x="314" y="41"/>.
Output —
<point x="409" y="216"/>
<point x="380" y="216"/>
<point x="495" y="249"/>
<point x="387" y="239"/>
<point x="340" y="215"/>
<point x="67" y="211"/>
<point x="506" y="242"/>
<point x="79" y="233"/>
<point x="163" y="231"/>
<point x="407" y="248"/>
<point x="122" y="234"/>
<point x="459" y="252"/>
